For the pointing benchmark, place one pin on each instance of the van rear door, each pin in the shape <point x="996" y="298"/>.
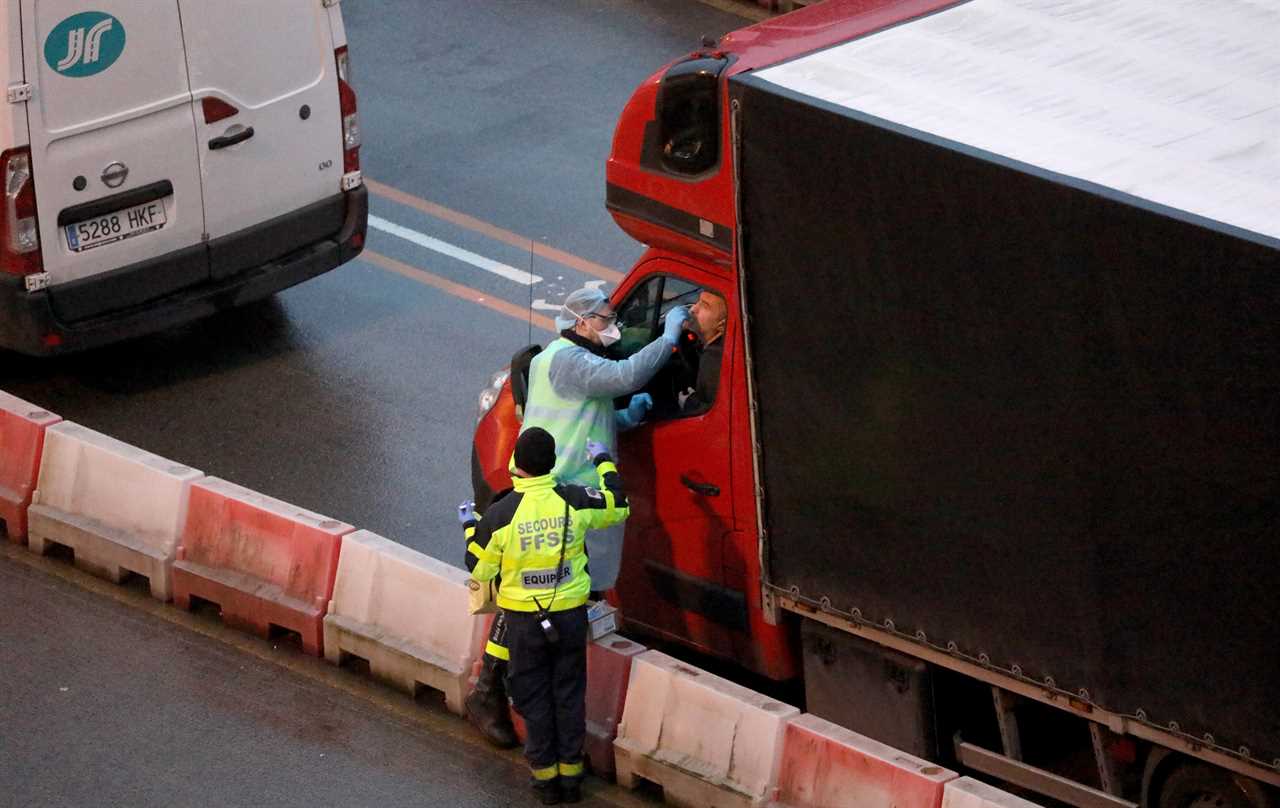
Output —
<point x="112" y="140"/>
<point x="269" y="68"/>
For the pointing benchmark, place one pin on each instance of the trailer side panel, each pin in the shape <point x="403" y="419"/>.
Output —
<point x="1017" y="412"/>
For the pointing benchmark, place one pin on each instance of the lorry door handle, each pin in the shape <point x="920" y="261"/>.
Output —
<point x="706" y="489"/>
<point x="231" y="140"/>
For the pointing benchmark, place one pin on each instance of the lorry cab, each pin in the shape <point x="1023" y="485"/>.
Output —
<point x="690" y="566"/>
<point x="164" y="160"/>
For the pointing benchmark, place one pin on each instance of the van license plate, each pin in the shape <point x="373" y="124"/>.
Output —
<point x="112" y="227"/>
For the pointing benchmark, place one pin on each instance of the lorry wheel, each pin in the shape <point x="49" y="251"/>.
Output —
<point x="1197" y="785"/>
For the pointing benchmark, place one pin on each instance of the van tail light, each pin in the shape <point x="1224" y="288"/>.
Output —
<point x="19" y="231"/>
<point x="347" y="106"/>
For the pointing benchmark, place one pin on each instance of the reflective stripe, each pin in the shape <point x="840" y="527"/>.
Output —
<point x="571" y="769"/>
<point x="475" y="549"/>
<point x="549" y="773"/>
<point x="494" y="650"/>
<point x="469" y="531"/>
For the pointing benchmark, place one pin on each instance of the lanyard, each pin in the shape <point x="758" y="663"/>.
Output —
<point x="564" y="539"/>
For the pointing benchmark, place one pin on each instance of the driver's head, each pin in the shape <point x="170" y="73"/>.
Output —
<point x="708" y="315"/>
<point x="588" y="314"/>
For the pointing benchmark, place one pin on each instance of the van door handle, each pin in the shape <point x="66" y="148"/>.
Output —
<point x="231" y="140"/>
<point x="705" y="489"/>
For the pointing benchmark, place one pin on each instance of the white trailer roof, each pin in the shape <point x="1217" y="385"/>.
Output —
<point x="1173" y="101"/>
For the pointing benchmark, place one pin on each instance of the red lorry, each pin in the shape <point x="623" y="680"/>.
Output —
<point x="991" y="464"/>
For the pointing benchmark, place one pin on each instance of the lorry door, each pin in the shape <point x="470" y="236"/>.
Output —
<point x="676" y="467"/>
<point x="112" y="147"/>
<point x="264" y="81"/>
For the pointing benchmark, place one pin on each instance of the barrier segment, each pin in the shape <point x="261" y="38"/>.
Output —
<point x="705" y="740"/>
<point x="406" y="614"/>
<point x="965" y="792"/>
<point x="825" y="765"/>
<point x="266" y="563"/>
<point x="608" y="676"/>
<point x="119" y="508"/>
<point x="22" y="428"/>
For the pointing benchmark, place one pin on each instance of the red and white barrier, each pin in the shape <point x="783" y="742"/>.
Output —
<point x="264" y="562"/>
<point x="608" y="676"/>
<point x="827" y="766"/>
<point x="119" y="508"/>
<point x="22" y="428"/>
<point x="704" y="739"/>
<point x="406" y="614"/>
<point x="965" y="792"/>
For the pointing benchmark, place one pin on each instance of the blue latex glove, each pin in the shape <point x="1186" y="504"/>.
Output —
<point x="467" y="511"/>
<point x="635" y="412"/>
<point x="676" y="318"/>
<point x="595" y="449"/>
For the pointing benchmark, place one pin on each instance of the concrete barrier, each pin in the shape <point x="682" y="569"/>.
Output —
<point x="22" y="428"/>
<point x="608" y="677"/>
<point x="267" y="564"/>
<point x="119" y="508"/>
<point x="705" y="740"/>
<point x="827" y="766"/>
<point x="406" y="614"/>
<point x="965" y="792"/>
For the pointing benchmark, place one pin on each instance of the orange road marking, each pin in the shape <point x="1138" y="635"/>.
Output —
<point x="493" y="231"/>
<point x="457" y="290"/>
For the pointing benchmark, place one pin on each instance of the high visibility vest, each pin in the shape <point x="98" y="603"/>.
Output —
<point x="533" y="538"/>
<point x="571" y="421"/>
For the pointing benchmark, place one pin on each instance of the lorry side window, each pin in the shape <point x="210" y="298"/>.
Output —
<point x="640" y="319"/>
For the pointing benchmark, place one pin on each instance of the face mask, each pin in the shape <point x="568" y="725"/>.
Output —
<point x="610" y="335"/>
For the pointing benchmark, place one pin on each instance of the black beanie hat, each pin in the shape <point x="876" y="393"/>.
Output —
<point x="536" y="451"/>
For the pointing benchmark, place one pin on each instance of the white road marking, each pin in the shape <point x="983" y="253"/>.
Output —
<point x="445" y="248"/>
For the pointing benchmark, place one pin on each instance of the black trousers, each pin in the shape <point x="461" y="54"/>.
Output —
<point x="548" y="685"/>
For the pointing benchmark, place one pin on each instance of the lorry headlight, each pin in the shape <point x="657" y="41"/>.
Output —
<point x="489" y="395"/>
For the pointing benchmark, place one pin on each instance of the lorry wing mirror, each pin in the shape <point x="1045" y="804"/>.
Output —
<point x="689" y="115"/>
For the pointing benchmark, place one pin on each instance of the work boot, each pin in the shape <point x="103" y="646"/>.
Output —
<point x="571" y="789"/>
<point x="487" y="708"/>
<point x="548" y="791"/>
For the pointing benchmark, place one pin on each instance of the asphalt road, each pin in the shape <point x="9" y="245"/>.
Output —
<point x="112" y="699"/>
<point x="354" y="395"/>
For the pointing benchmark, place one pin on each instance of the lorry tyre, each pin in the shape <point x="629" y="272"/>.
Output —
<point x="1198" y="785"/>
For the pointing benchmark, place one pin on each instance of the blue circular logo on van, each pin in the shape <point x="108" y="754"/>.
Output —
<point x="84" y="44"/>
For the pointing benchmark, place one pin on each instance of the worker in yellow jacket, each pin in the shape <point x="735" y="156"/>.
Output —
<point x="534" y="539"/>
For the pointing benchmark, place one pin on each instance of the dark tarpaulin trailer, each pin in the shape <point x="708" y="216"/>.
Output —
<point x="1018" y="412"/>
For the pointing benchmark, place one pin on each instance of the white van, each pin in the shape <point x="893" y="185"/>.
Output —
<point x="163" y="159"/>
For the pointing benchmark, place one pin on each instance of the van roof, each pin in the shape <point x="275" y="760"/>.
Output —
<point x="1155" y="99"/>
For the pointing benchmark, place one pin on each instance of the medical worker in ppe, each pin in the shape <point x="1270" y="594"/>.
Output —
<point x="572" y="385"/>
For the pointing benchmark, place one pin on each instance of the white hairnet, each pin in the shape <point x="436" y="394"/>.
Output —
<point x="579" y="303"/>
